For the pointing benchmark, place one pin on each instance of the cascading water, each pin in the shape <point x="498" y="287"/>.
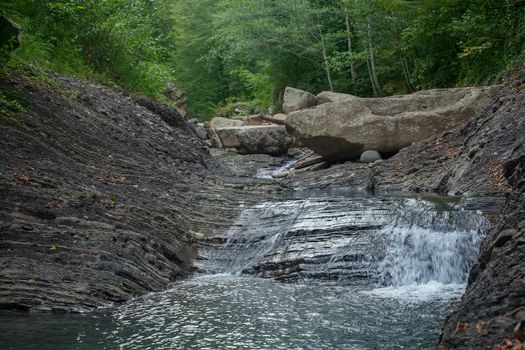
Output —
<point x="424" y="245"/>
<point x="270" y="173"/>
<point x="372" y="241"/>
<point x="298" y="230"/>
<point x="258" y="231"/>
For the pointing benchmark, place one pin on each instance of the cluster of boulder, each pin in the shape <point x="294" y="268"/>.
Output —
<point x="341" y="127"/>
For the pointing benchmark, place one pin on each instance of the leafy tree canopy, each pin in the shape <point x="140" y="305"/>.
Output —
<point x="225" y="51"/>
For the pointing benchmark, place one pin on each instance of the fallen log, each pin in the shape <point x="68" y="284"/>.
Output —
<point x="308" y="162"/>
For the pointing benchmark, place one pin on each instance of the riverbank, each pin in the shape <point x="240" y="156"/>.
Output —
<point x="102" y="198"/>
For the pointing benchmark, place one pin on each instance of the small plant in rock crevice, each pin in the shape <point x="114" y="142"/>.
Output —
<point x="8" y="107"/>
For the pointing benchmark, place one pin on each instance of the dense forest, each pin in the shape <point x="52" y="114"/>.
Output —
<point x="225" y="51"/>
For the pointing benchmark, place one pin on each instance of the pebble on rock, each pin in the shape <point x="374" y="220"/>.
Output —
<point x="370" y="156"/>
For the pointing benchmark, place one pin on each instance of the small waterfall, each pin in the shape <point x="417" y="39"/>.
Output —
<point x="257" y="232"/>
<point x="426" y="245"/>
<point x="389" y="242"/>
<point x="270" y="173"/>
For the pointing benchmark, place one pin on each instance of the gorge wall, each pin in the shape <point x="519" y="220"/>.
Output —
<point x="102" y="198"/>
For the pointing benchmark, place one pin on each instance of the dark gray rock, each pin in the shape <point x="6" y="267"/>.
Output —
<point x="100" y="195"/>
<point x="493" y="160"/>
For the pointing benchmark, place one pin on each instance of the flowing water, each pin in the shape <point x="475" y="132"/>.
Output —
<point x="365" y="273"/>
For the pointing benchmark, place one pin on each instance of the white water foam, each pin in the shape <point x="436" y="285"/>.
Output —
<point x="420" y="292"/>
<point x="270" y="173"/>
<point x="428" y="253"/>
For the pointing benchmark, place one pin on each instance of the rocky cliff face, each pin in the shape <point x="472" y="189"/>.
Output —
<point x="492" y="311"/>
<point x="102" y="198"/>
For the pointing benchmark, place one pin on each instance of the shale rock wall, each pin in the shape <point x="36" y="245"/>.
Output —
<point x="492" y="311"/>
<point x="102" y="198"/>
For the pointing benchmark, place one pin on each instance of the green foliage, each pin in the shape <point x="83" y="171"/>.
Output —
<point x="259" y="85"/>
<point x="199" y="67"/>
<point x="252" y="49"/>
<point x="225" y="51"/>
<point x="229" y="108"/>
<point x="9" y="108"/>
<point x="114" y="41"/>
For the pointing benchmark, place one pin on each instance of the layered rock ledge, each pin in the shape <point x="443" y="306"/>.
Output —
<point x="103" y="196"/>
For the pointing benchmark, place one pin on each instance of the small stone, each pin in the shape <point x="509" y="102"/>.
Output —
<point x="370" y="156"/>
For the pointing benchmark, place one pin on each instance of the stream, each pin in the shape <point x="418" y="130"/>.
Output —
<point x="327" y="270"/>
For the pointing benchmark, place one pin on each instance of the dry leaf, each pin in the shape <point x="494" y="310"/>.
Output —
<point x="480" y="326"/>
<point x="461" y="327"/>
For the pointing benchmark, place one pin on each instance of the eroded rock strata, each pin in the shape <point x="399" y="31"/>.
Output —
<point x="492" y="310"/>
<point x="102" y="198"/>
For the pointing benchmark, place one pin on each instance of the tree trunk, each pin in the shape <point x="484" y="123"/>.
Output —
<point x="349" y="41"/>
<point x="371" y="77"/>
<point x="326" y="65"/>
<point x="371" y="53"/>
<point x="406" y="71"/>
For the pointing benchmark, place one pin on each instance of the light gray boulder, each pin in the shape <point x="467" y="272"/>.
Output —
<point x="215" y="140"/>
<point x="329" y="96"/>
<point x="260" y="139"/>
<point x="370" y="156"/>
<point x="295" y="99"/>
<point x="342" y="130"/>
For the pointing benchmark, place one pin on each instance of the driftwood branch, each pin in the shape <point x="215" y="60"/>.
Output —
<point x="272" y="120"/>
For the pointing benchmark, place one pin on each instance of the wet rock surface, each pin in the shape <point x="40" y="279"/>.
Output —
<point x="102" y="199"/>
<point x="336" y="238"/>
<point x="483" y="162"/>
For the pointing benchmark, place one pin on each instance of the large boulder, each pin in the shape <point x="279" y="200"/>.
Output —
<point x="295" y="99"/>
<point x="263" y="139"/>
<point x="279" y="116"/>
<point x="342" y="130"/>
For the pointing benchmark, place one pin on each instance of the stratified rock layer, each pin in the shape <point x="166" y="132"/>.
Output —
<point x="101" y="198"/>
<point x="494" y="154"/>
<point x="343" y="129"/>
